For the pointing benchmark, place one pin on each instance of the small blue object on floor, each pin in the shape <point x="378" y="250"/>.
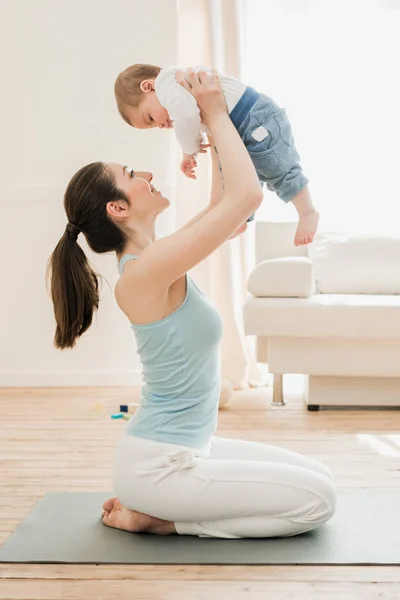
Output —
<point x="117" y="416"/>
<point x="128" y="408"/>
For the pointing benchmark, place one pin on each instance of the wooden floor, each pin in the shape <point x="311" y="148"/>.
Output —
<point x="63" y="440"/>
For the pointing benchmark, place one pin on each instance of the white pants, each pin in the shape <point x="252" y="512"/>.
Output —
<point x="231" y="489"/>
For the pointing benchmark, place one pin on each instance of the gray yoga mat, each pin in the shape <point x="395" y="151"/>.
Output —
<point x="66" y="528"/>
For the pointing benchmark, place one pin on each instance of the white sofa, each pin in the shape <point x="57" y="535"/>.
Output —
<point x="330" y="311"/>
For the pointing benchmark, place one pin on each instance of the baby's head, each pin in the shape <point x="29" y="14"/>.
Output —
<point x="136" y="99"/>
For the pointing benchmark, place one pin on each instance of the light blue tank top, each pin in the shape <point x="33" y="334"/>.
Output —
<point x="180" y="358"/>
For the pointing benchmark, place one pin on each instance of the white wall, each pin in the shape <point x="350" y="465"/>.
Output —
<point x="58" y="63"/>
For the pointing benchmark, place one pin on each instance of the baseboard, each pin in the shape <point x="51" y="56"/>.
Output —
<point x="70" y="378"/>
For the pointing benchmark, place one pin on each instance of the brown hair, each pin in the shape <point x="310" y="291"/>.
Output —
<point x="127" y="86"/>
<point x="74" y="283"/>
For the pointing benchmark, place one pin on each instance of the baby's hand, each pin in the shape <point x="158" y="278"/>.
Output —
<point x="188" y="165"/>
<point x="203" y="148"/>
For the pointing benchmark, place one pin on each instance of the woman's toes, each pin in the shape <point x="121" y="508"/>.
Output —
<point x="109" y="504"/>
<point x="106" y="518"/>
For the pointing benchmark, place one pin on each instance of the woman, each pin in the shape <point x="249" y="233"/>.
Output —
<point x="170" y="474"/>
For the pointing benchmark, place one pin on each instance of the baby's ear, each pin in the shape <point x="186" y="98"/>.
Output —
<point x="147" y="85"/>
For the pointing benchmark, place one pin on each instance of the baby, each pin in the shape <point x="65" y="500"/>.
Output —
<point x="148" y="96"/>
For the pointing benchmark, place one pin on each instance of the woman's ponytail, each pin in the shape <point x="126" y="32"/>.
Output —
<point x="74" y="282"/>
<point x="74" y="291"/>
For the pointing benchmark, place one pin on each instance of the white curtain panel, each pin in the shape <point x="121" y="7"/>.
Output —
<point x="210" y="34"/>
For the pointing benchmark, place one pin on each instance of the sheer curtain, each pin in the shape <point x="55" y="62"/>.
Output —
<point x="333" y="64"/>
<point x="210" y="34"/>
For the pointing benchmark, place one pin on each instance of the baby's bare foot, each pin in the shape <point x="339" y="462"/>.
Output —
<point x="306" y="228"/>
<point x="118" y="516"/>
<point x="241" y="229"/>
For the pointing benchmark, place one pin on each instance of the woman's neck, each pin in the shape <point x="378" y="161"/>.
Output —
<point x="138" y="241"/>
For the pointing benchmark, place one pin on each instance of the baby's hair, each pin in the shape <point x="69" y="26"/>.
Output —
<point x="127" y="86"/>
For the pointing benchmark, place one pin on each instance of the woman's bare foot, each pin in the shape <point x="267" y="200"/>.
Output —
<point x="120" y="517"/>
<point x="307" y="227"/>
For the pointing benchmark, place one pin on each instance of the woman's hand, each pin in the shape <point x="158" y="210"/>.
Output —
<point x="207" y="91"/>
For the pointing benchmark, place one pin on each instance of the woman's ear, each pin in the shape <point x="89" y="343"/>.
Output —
<point x="117" y="209"/>
<point x="147" y="85"/>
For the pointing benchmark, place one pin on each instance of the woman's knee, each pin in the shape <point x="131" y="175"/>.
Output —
<point x="326" y="507"/>
<point x="318" y="504"/>
<point x="323" y="470"/>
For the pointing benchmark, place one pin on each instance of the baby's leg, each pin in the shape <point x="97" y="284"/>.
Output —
<point x="277" y="163"/>
<point x="308" y="218"/>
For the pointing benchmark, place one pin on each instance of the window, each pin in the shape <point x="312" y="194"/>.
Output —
<point x="333" y="64"/>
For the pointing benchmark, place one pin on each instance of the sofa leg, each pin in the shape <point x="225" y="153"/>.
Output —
<point x="277" y="395"/>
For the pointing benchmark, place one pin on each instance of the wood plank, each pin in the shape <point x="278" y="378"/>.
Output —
<point x="203" y="572"/>
<point x="193" y="590"/>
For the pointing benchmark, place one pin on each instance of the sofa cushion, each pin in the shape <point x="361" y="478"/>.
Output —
<point x="289" y="277"/>
<point x="356" y="264"/>
<point x="324" y="315"/>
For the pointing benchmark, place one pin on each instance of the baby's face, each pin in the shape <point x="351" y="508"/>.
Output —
<point x="150" y="113"/>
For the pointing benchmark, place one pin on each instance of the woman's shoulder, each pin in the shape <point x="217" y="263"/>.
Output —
<point x="137" y="293"/>
<point x="130" y="276"/>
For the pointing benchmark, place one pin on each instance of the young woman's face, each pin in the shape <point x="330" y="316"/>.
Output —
<point x="145" y="199"/>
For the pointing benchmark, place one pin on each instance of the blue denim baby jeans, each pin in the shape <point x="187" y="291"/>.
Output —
<point x="266" y="132"/>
